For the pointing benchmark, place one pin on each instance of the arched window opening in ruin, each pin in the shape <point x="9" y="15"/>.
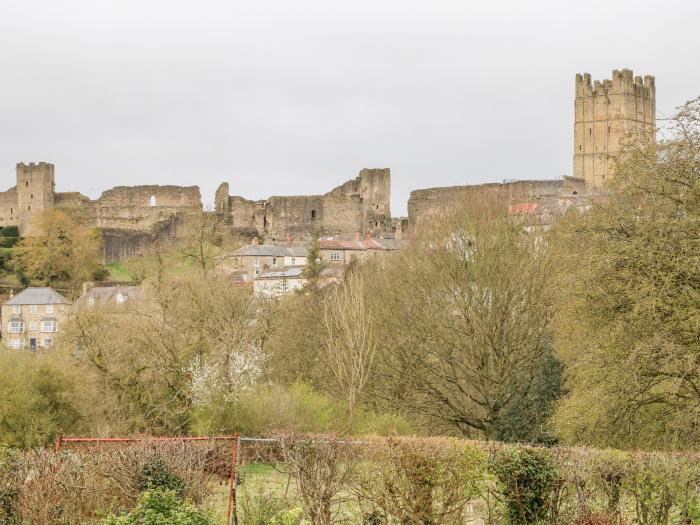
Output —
<point x="376" y="224"/>
<point x="29" y="208"/>
<point x="26" y="183"/>
<point x="377" y="206"/>
<point x="31" y="196"/>
<point x="11" y="209"/>
<point x="153" y="200"/>
<point x="313" y="214"/>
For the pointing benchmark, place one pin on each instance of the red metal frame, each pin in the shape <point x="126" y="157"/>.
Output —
<point x="231" y="516"/>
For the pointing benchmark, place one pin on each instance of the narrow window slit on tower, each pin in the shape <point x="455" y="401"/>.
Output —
<point x="313" y="214"/>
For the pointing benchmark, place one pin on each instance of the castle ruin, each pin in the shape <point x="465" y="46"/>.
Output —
<point x="133" y="219"/>
<point x="605" y="115"/>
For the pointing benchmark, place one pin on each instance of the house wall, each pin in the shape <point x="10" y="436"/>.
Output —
<point x="60" y="313"/>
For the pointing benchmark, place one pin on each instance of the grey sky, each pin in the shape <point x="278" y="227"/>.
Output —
<point x="294" y="97"/>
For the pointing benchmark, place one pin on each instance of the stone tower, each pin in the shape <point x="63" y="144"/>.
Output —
<point x="35" y="191"/>
<point x="605" y="114"/>
<point x="375" y="195"/>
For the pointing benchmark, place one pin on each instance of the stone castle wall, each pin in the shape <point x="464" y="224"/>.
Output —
<point x="8" y="207"/>
<point x="361" y="204"/>
<point x="428" y="204"/>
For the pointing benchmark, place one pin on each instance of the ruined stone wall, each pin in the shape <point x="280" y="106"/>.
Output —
<point x="360" y="204"/>
<point x="8" y="208"/>
<point x="606" y="113"/>
<point x="427" y="204"/>
<point x="133" y="208"/>
<point x="123" y="244"/>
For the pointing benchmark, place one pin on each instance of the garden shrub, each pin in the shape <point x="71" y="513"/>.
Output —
<point x="426" y="481"/>
<point x="161" y="507"/>
<point x="527" y="478"/>
<point x="155" y="474"/>
<point x="261" y="508"/>
<point x="11" y="474"/>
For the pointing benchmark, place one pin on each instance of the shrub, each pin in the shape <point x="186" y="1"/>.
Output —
<point x="155" y="474"/>
<point x="11" y="474"/>
<point x="160" y="507"/>
<point x="100" y="273"/>
<point x="527" y="478"/>
<point x="427" y="481"/>
<point x="260" y="509"/>
<point x="9" y="231"/>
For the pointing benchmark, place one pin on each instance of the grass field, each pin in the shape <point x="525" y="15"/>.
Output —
<point x="118" y="272"/>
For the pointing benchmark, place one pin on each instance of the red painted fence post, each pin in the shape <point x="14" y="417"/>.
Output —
<point x="232" y="518"/>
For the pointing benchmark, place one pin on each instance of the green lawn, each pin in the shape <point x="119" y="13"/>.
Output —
<point x="118" y="272"/>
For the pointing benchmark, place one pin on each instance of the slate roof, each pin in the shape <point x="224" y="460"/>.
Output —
<point x="291" y="272"/>
<point x="107" y="294"/>
<point x="269" y="250"/>
<point x="38" y="296"/>
<point x="364" y="244"/>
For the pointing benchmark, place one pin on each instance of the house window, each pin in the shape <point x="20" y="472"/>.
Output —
<point x="32" y="326"/>
<point x="17" y="344"/>
<point x="49" y="308"/>
<point x="32" y="308"/>
<point x="294" y="261"/>
<point x="16" y="309"/>
<point x="15" y="327"/>
<point x="48" y="341"/>
<point x="274" y="262"/>
<point x="48" y="327"/>
<point x="335" y="256"/>
<point x="256" y="266"/>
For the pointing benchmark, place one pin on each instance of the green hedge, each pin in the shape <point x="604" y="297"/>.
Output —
<point x="9" y="231"/>
<point x="8" y="242"/>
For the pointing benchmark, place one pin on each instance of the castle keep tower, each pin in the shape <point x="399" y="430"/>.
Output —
<point x="605" y="114"/>
<point x="35" y="191"/>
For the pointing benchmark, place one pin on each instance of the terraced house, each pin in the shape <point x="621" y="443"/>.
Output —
<point x="33" y="318"/>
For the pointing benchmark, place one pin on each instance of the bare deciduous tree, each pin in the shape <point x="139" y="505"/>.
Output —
<point x="350" y="342"/>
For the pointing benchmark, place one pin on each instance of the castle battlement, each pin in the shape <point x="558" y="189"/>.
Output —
<point x="623" y="82"/>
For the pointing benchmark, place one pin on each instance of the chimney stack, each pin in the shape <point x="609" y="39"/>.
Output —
<point x="357" y="236"/>
<point x="255" y="241"/>
<point x="368" y="237"/>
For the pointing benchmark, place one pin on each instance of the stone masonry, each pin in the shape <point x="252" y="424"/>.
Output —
<point x="133" y="219"/>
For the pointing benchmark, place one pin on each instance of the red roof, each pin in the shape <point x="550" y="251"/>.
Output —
<point x="523" y="208"/>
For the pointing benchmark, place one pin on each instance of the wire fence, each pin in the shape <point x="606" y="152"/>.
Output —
<point x="204" y="464"/>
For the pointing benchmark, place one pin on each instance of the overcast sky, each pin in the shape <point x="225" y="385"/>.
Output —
<point x="296" y="96"/>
